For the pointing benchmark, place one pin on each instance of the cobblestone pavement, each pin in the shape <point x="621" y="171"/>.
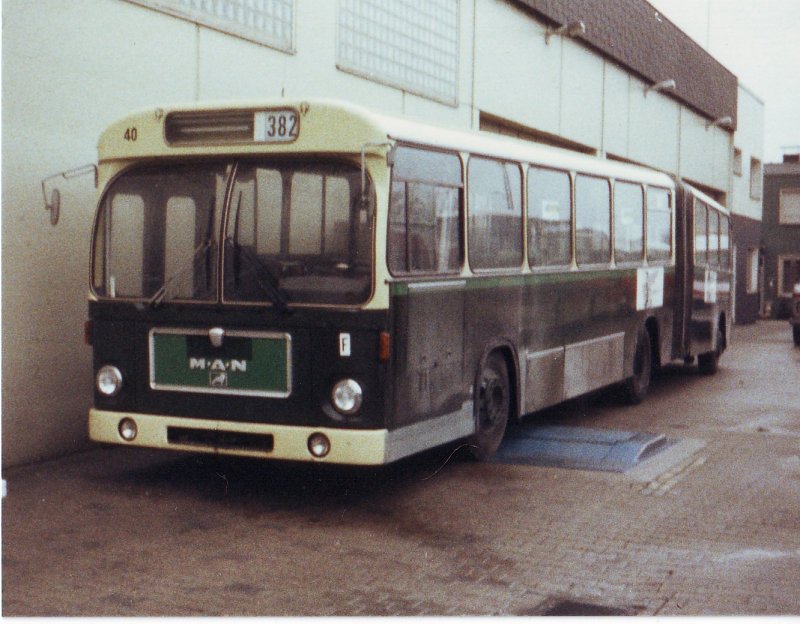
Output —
<point x="127" y="532"/>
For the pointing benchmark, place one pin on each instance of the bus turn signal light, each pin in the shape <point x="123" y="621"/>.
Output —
<point x="384" y="346"/>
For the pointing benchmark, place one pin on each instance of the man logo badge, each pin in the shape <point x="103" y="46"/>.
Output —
<point x="218" y="379"/>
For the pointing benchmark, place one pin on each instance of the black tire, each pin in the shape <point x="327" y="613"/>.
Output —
<point x="708" y="363"/>
<point x="796" y="335"/>
<point x="492" y="407"/>
<point x="638" y="385"/>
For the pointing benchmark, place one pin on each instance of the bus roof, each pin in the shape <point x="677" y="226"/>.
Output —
<point x="335" y="126"/>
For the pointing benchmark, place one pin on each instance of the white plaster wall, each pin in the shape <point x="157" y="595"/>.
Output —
<point x="69" y="69"/>
<point x="517" y="75"/>
<point x="749" y="138"/>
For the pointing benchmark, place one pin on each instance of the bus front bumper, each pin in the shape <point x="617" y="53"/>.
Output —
<point x="346" y="446"/>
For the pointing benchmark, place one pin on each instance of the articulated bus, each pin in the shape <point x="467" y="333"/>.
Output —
<point x="308" y="280"/>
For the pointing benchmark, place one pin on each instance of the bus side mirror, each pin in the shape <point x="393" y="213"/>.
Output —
<point x="54" y="206"/>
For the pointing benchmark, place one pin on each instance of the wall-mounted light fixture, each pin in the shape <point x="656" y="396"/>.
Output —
<point x="663" y="86"/>
<point x="570" y="29"/>
<point x="722" y="122"/>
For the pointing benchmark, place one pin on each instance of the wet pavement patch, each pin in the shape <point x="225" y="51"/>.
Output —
<point x="556" y="607"/>
<point x="579" y="447"/>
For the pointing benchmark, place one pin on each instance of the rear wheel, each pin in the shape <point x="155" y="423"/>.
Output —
<point x="708" y="363"/>
<point x="493" y="405"/>
<point x="637" y="386"/>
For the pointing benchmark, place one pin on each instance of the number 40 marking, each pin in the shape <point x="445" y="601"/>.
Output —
<point x="131" y="134"/>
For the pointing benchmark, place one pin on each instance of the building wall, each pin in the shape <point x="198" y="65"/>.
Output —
<point x="71" y="68"/>
<point x="779" y="241"/>
<point x="746" y="205"/>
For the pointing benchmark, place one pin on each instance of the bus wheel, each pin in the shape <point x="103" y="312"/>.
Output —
<point x="493" y="407"/>
<point x="637" y="386"/>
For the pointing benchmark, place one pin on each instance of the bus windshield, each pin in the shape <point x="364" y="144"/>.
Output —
<point x="290" y="233"/>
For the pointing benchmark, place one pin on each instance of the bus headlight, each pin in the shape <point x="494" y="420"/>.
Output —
<point x="347" y="396"/>
<point x="109" y="380"/>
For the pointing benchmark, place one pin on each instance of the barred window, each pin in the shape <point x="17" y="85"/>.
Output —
<point x="410" y="44"/>
<point x="269" y="22"/>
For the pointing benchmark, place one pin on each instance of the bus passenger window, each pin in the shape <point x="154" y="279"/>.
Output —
<point x="628" y="222"/>
<point x="549" y="218"/>
<point x="592" y="220"/>
<point x="495" y="214"/>
<point x="659" y="224"/>
<point x="700" y="232"/>
<point x="424" y="224"/>
<point x="126" y="267"/>
<point x="713" y="237"/>
<point x="724" y="242"/>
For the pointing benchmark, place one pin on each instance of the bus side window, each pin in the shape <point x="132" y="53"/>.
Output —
<point x="725" y="242"/>
<point x="495" y="214"/>
<point x="592" y="220"/>
<point x="424" y="213"/>
<point x="628" y="222"/>
<point x="713" y="237"/>
<point x="700" y="232"/>
<point x="549" y="218"/>
<point x="659" y="224"/>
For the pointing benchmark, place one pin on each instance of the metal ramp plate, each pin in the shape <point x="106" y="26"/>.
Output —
<point x="580" y="448"/>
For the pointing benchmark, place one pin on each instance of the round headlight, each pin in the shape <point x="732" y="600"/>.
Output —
<point x="347" y="396"/>
<point x="109" y="381"/>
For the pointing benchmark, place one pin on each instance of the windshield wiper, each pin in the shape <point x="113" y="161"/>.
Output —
<point x="268" y="285"/>
<point x="159" y="295"/>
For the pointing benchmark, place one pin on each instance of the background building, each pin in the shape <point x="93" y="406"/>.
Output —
<point x="746" y="204"/>
<point x="631" y="87"/>
<point x="781" y="234"/>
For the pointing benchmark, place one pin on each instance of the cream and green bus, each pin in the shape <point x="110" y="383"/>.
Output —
<point x="312" y="281"/>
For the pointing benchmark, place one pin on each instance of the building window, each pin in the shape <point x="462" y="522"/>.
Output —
<point x="268" y="22"/>
<point x="752" y="270"/>
<point x="737" y="161"/>
<point x="756" y="178"/>
<point x="410" y="44"/>
<point x="789" y="207"/>
<point x="788" y="274"/>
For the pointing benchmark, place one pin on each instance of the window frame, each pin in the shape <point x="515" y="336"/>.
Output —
<point x="576" y="248"/>
<point x="614" y="212"/>
<point x="429" y="182"/>
<point x="570" y="176"/>
<point x="468" y="214"/>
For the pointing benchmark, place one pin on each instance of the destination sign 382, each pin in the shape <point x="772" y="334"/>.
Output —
<point x="221" y="362"/>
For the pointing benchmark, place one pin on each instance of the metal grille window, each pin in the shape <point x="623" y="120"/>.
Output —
<point x="411" y="44"/>
<point x="269" y="22"/>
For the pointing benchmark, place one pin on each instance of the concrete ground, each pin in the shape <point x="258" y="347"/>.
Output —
<point x="124" y="532"/>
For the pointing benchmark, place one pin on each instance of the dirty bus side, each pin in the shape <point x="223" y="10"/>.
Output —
<point x="312" y="281"/>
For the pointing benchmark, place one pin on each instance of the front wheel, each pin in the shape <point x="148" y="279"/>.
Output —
<point x="493" y="405"/>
